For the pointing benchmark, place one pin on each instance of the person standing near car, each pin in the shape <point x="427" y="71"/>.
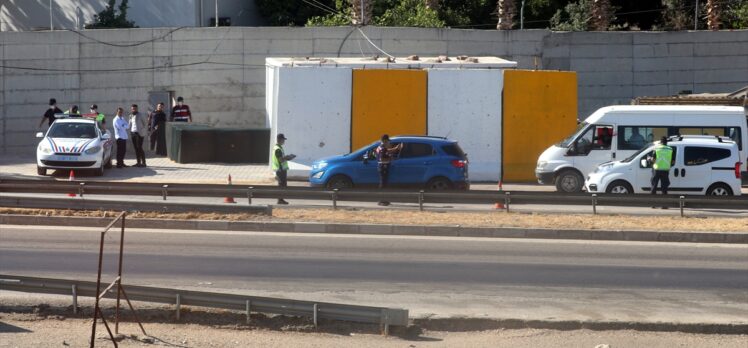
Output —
<point x="280" y="163"/>
<point x="181" y="112"/>
<point x="100" y="118"/>
<point x="138" y="129"/>
<point x="158" y="124"/>
<point x="49" y="115"/>
<point x="73" y="112"/>
<point x="385" y="153"/>
<point x="663" y="155"/>
<point x="120" y="135"/>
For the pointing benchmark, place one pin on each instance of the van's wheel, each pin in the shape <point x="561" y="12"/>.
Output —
<point x="439" y="184"/>
<point x="719" y="189"/>
<point x="339" y="182"/>
<point x="569" y="181"/>
<point x="620" y="187"/>
<point x="41" y="171"/>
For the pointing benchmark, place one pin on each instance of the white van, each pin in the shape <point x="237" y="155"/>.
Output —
<point x="616" y="132"/>
<point x="700" y="165"/>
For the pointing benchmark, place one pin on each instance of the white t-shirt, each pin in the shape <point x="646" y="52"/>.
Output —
<point x="120" y="128"/>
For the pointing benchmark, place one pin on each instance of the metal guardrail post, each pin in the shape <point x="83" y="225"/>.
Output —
<point x="250" y="193"/>
<point x="179" y="306"/>
<point x="420" y="200"/>
<point x="80" y="189"/>
<point x="75" y="299"/>
<point x="594" y="204"/>
<point x="249" y="311"/>
<point x="681" y="203"/>
<point x="316" y="310"/>
<point x="507" y="200"/>
<point x="335" y="199"/>
<point x="164" y="191"/>
<point x="384" y="322"/>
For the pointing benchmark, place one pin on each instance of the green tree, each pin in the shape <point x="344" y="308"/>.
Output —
<point x="677" y="14"/>
<point x="735" y="15"/>
<point x="291" y="12"/>
<point x="109" y="18"/>
<point x="410" y="13"/>
<point x="575" y="16"/>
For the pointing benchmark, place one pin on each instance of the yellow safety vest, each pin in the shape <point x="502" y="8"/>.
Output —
<point x="277" y="163"/>
<point x="663" y="157"/>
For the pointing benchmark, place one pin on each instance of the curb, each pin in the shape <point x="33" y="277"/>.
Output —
<point x="397" y="230"/>
<point x="474" y="324"/>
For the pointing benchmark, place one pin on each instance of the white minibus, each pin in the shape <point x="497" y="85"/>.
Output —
<point x="616" y="132"/>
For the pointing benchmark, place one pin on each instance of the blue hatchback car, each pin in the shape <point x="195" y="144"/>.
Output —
<point x="432" y="163"/>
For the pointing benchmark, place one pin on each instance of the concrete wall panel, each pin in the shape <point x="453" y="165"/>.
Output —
<point x="465" y="105"/>
<point x="387" y="102"/>
<point x="540" y="109"/>
<point x="313" y="110"/>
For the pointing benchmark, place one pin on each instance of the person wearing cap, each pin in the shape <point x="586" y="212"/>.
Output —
<point x="661" y="163"/>
<point x="49" y="115"/>
<point x="385" y="153"/>
<point x="181" y="112"/>
<point x="100" y="118"/>
<point x="280" y="163"/>
<point x="73" y="112"/>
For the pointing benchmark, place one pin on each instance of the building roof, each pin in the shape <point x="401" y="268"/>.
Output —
<point x="442" y="62"/>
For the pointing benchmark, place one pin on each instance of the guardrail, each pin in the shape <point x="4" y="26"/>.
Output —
<point x="334" y="196"/>
<point x="315" y="310"/>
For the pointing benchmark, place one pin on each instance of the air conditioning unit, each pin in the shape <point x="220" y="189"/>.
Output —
<point x="222" y="21"/>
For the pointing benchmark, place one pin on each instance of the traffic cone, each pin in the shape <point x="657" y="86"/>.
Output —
<point x="499" y="205"/>
<point x="71" y="178"/>
<point x="229" y="199"/>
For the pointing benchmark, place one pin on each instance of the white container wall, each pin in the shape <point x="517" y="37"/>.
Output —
<point x="311" y="106"/>
<point x="465" y="105"/>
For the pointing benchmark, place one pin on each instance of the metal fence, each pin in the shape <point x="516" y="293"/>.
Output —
<point x="315" y="310"/>
<point x="507" y="198"/>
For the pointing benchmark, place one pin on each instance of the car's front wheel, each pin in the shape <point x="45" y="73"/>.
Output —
<point x="620" y="187"/>
<point x="339" y="182"/>
<point x="41" y="171"/>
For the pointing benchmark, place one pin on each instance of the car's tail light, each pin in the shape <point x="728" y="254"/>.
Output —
<point x="737" y="169"/>
<point x="458" y="163"/>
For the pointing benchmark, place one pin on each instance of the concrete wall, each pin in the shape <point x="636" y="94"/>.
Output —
<point x="220" y="72"/>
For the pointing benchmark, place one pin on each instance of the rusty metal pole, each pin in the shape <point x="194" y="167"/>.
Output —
<point x="98" y="288"/>
<point x="119" y="272"/>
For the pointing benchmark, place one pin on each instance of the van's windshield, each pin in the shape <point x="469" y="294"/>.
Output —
<point x="637" y="153"/>
<point x="566" y="142"/>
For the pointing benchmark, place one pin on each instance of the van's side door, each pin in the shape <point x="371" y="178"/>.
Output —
<point x="697" y="166"/>
<point x="592" y="148"/>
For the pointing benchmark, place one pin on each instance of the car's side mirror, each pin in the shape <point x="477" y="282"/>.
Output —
<point x="644" y="163"/>
<point x="40" y="135"/>
<point x="106" y="136"/>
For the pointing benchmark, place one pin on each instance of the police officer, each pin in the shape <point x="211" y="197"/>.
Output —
<point x="280" y="163"/>
<point x="73" y="112"/>
<point x="663" y="156"/>
<point x="100" y="118"/>
<point x="385" y="152"/>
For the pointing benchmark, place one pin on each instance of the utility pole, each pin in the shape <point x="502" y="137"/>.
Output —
<point x="522" y="15"/>
<point x="362" y="12"/>
<point x="696" y="16"/>
<point x="216" y="13"/>
<point x="51" y="26"/>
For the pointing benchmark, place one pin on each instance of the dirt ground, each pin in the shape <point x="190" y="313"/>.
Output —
<point x="56" y="326"/>
<point x="479" y="219"/>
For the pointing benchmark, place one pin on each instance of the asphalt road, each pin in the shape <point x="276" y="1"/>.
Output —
<point x="530" y="279"/>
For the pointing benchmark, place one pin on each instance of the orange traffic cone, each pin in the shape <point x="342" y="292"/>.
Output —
<point x="229" y="199"/>
<point x="499" y="205"/>
<point x="71" y="178"/>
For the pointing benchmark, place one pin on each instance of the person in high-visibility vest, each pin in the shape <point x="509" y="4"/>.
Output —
<point x="663" y="159"/>
<point x="73" y="112"/>
<point x="279" y="163"/>
<point x="100" y="118"/>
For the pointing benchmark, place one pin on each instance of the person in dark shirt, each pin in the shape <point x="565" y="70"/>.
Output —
<point x="181" y="112"/>
<point x="159" y="130"/>
<point x="385" y="153"/>
<point x="49" y="115"/>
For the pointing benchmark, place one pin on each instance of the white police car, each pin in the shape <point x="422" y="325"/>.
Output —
<point x="701" y="165"/>
<point x="74" y="143"/>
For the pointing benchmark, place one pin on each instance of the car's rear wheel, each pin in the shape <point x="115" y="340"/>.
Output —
<point x="620" y="187"/>
<point x="439" y="184"/>
<point x="569" y="181"/>
<point x="41" y="171"/>
<point x="339" y="182"/>
<point x="719" y="189"/>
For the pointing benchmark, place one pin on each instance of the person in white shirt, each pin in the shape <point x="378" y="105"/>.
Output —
<point x="120" y="134"/>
